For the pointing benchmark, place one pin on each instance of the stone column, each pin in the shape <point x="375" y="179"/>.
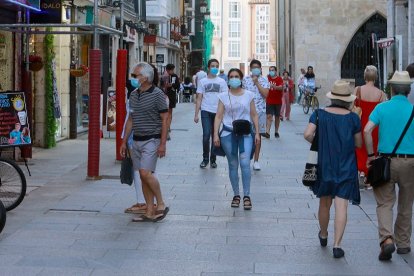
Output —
<point x="410" y="32"/>
<point x="401" y="28"/>
<point x="390" y="33"/>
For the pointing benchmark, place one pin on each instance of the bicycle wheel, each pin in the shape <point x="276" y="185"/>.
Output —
<point x="315" y="103"/>
<point x="306" y="104"/>
<point x="12" y="184"/>
<point x="2" y="216"/>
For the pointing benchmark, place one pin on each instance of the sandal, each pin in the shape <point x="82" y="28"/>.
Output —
<point x="235" y="203"/>
<point x="139" y="208"/>
<point x="247" y="203"/>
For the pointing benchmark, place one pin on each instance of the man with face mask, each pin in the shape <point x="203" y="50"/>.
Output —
<point x="259" y="85"/>
<point x="207" y="100"/>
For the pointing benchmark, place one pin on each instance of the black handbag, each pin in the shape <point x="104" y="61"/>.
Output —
<point x="310" y="174"/>
<point x="127" y="170"/>
<point x="240" y="127"/>
<point x="379" y="171"/>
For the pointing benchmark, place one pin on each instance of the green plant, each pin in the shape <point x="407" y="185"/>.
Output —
<point x="51" y="124"/>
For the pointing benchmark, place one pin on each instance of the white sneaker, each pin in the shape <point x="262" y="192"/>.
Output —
<point x="256" y="166"/>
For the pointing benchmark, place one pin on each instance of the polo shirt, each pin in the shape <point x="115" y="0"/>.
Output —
<point x="145" y="108"/>
<point x="391" y="118"/>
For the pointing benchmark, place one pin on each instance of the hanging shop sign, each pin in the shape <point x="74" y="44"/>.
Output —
<point x="159" y="58"/>
<point x="111" y="111"/>
<point x="385" y="42"/>
<point x="30" y="4"/>
<point x="130" y="34"/>
<point x="14" y="125"/>
<point x="51" y="12"/>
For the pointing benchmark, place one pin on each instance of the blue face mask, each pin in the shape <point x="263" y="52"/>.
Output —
<point x="214" y="71"/>
<point x="272" y="73"/>
<point x="256" y="71"/>
<point x="234" y="83"/>
<point x="135" y="83"/>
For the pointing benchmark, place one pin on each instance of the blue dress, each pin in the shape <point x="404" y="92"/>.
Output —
<point x="337" y="165"/>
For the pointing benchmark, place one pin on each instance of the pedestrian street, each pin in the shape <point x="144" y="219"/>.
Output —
<point x="67" y="225"/>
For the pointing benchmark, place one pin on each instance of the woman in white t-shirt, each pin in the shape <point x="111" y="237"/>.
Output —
<point x="237" y="104"/>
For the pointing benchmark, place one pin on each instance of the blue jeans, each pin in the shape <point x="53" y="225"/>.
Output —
<point x="234" y="159"/>
<point x="207" y="122"/>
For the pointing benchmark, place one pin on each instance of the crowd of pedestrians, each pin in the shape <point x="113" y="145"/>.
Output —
<point x="237" y="110"/>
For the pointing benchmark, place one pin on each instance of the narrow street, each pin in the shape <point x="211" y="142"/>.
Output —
<point x="70" y="226"/>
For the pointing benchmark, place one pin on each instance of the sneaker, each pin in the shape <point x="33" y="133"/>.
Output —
<point x="266" y="135"/>
<point x="386" y="252"/>
<point x="213" y="164"/>
<point x="277" y="135"/>
<point x="338" y="252"/>
<point x="204" y="164"/>
<point x="256" y="166"/>
<point x="168" y="137"/>
<point x="361" y="181"/>
<point x="405" y="250"/>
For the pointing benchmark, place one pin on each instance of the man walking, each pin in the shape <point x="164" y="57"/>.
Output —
<point x="391" y="117"/>
<point x="274" y="101"/>
<point x="148" y="123"/>
<point x="222" y="75"/>
<point x="259" y="85"/>
<point x="207" y="99"/>
<point x="171" y="84"/>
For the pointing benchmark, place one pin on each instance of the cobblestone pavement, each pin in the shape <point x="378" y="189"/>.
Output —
<point x="69" y="226"/>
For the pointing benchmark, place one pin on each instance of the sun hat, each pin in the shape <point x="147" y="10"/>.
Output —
<point x="341" y="91"/>
<point x="400" y="77"/>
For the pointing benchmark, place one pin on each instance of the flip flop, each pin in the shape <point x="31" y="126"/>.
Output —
<point x="143" y="218"/>
<point x="136" y="209"/>
<point x="162" y="213"/>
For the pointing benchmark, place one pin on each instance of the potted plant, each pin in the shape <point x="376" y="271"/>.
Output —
<point x="80" y="71"/>
<point x="35" y="63"/>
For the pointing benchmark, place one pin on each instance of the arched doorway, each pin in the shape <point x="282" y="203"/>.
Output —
<point x="360" y="51"/>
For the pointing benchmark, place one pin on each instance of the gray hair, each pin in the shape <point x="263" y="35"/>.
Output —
<point x="146" y="70"/>
<point x="400" y="89"/>
<point x="341" y="103"/>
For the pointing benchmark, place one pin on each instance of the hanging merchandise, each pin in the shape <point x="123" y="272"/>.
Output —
<point x="56" y="100"/>
<point x="51" y="124"/>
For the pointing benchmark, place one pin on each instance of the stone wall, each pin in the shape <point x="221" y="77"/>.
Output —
<point x="322" y="31"/>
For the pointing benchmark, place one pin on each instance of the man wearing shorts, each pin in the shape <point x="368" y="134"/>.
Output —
<point x="148" y="124"/>
<point x="259" y="85"/>
<point x="274" y="101"/>
<point x="170" y="84"/>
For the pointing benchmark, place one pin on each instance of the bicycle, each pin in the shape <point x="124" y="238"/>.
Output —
<point x="310" y="100"/>
<point x="2" y="216"/>
<point x="12" y="184"/>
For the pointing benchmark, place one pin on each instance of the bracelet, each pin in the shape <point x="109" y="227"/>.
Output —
<point x="371" y="155"/>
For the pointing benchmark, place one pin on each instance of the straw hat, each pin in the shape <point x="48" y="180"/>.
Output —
<point x="341" y="91"/>
<point x="400" y="77"/>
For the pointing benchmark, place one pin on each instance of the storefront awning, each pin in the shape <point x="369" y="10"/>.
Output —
<point x="72" y="29"/>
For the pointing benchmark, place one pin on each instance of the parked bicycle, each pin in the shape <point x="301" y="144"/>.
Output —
<point x="2" y="216"/>
<point x="310" y="100"/>
<point x="12" y="184"/>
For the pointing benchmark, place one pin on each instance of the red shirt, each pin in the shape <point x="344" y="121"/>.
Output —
<point x="275" y="96"/>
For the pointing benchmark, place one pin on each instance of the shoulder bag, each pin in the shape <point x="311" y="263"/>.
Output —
<point x="127" y="170"/>
<point x="240" y="127"/>
<point x="311" y="168"/>
<point x="379" y="171"/>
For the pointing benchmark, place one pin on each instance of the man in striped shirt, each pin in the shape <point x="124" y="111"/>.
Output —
<point x="148" y="123"/>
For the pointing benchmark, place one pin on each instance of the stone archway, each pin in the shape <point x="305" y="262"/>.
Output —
<point x="360" y="52"/>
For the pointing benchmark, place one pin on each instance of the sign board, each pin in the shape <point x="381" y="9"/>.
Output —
<point x="385" y="42"/>
<point x="14" y="125"/>
<point x="111" y="111"/>
<point x="130" y="35"/>
<point x="159" y="58"/>
<point x="50" y="12"/>
<point x="30" y="4"/>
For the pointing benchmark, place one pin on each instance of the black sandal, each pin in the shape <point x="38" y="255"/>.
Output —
<point x="247" y="203"/>
<point x="235" y="203"/>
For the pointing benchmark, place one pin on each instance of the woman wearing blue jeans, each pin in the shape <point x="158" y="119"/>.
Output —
<point x="237" y="104"/>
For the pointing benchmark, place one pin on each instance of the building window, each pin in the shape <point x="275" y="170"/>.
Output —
<point x="262" y="32"/>
<point x="217" y="27"/>
<point x="234" y="9"/>
<point x="234" y="29"/>
<point x="234" y="49"/>
<point x="215" y="8"/>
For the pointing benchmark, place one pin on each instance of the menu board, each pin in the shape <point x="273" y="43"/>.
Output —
<point x="14" y="125"/>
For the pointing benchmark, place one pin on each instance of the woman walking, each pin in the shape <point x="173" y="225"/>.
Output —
<point x="368" y="96"/>
<point x="237" y="104"/>
<point x="287" y="96"/>
<point x="339" y="132"/>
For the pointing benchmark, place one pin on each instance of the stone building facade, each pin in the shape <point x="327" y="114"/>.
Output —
<point x="321" y="32"/>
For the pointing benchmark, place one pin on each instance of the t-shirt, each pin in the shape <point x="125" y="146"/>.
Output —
<point x="145" y="108"/>
<point x="210" y="88"/>
<point x="275" y="96"/>
<point x="235" y="108"/>
<point x="259" y="100"/>
<point x="172" y="79"/>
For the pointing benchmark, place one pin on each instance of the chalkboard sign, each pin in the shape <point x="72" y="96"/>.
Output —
<point x="14" y="123"/>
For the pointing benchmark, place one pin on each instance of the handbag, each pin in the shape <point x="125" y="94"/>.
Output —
<point x="379" y="171"/>
<point x="127" y="170"/>
<point x="240" y="127"/>
<point x="357" y="108"/>
<point x="311" y="168"/>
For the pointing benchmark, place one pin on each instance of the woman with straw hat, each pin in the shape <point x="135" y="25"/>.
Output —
<point x="339" y="133"/>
